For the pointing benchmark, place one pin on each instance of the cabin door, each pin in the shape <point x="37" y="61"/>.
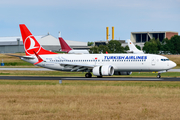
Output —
<point x="153" y="61"/>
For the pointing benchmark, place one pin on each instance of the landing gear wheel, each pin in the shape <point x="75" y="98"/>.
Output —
<point x="88" y="75"/>
<point x="158" y="76"/>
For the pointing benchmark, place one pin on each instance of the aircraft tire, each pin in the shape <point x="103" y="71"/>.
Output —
<point x="88" y="75"/>
<point x="158" y="76"/>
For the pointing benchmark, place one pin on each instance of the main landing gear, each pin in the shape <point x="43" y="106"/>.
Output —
<point x="88" y="75"/>
<point x="159" y="75"/>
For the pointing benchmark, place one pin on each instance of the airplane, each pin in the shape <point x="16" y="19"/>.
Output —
<point x="66" y="48"/>
<point x="97" y="64"/>
<point x="133" y="48"/>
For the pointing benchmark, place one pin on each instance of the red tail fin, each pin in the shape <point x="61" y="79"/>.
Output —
<point x="31" y="45"/>
<point x="64" y="46"/>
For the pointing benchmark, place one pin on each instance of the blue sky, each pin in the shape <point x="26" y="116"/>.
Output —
<point x="86" y="20"/>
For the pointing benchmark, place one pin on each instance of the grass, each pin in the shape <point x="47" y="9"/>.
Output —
<point x="87" y="100"/>
<point x="14" y="61"/>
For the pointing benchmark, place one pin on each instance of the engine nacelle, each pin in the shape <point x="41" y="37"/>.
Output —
<point x="105" y="70"/>
<point x="122" y="73"/>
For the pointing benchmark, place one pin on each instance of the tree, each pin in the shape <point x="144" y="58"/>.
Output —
<point x="175" y="42"/>
<point x="115" y="46"/>
<point x="103" y="49"/>
<point x="126" y="48"/>
<point x="152" y="46"/>
<point x="138" y="47"/>
<point x="94" y="49"/>
<point x="166" y="46"/>
<point x="90" y="43"/>
<point x="172" y="45"/>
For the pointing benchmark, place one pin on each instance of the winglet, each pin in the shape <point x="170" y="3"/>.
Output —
<point x="64" y="46"/>
<point x="38" y="57"/>
<point x="106" y="52"/>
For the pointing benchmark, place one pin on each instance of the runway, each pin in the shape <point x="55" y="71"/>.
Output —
<point x="88" y="79"/>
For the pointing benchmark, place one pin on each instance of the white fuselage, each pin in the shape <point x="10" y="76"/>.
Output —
<point x="120" y="62"/>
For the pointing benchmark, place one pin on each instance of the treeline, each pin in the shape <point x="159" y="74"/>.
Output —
<point x="167" y="46"/>
<point x="113" y="46"/>
<point x="154" y="46"/>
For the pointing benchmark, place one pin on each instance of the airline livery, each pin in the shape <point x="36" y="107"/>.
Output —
<point x="98" y="64"/>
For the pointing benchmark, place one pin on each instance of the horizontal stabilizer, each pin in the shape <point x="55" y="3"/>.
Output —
<point x="25" y="57"/>
<point x="38" y="57"/>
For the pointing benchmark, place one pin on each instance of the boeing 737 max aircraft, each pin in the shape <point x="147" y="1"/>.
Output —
<point x="99" y="64"/>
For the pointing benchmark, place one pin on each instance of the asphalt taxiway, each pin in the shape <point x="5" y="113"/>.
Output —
<point x="88" y="79"/>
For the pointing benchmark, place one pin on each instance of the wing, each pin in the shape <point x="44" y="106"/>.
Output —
<point x="77" y="67"/>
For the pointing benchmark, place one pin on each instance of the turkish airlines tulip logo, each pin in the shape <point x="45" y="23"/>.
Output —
<point x="31" y="45"/>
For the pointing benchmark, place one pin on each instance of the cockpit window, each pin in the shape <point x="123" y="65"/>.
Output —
<point x="164" y="59"/>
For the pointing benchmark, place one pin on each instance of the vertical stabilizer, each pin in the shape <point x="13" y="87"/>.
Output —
<point x="133" y="49"/>
<point x="64" y="46"/>
<point x="31" y="45"/>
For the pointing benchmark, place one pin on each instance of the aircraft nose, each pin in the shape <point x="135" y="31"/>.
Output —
<point x="173" y="64"/>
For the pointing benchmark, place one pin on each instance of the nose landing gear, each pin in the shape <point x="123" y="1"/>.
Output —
<point x="159" y="75"/>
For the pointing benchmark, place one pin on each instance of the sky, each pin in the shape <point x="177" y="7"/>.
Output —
<point x="86" y="20"/>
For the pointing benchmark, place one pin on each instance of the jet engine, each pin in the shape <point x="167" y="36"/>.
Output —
<point x="122" y="73"/>
<point x="105" y="70"/>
